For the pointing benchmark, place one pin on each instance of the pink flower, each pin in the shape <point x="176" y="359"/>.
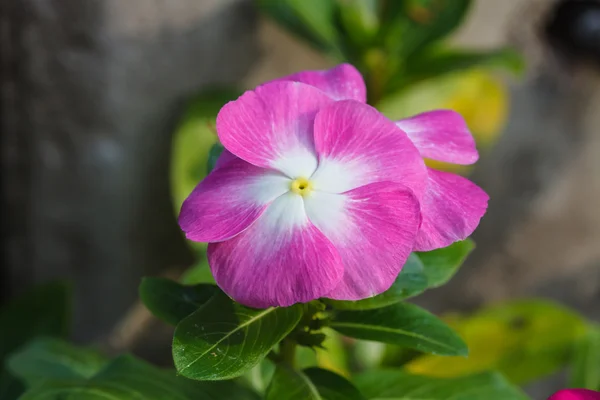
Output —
<point x="575" y="394"/>
<point x="319" y="195"/>
<point x="452" y="205"/>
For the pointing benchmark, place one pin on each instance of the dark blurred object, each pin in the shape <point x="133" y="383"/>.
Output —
<point x="90" y="93"/>
<point x="574" y="28"/>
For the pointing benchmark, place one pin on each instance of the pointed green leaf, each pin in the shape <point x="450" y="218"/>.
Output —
<point x="54" y="359"/>
<point x="585" y="371"/>
<point x="129" y="378"/>
<point x="223" y="339"/>
<point x="410" y="282"/>
<point x="401" y="324"/>
<point x="440" y="265"/>
<point x="398" y="385"/>
<point x="310" y="384"/>
<point x="171" y="301"/>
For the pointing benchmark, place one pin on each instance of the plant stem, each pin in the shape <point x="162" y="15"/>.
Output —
<point x="287" y="352"/>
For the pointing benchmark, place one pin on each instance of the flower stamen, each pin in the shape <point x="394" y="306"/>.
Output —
<point x="301" y="186"/>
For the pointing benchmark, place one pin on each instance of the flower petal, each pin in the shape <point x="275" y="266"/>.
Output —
<point x="441" y="135"/>
<point x="451" y="210"/>
<point x="340" y="82"/>
<point x="357" y="145"/>
<point x="575" y="394"/>
<point x="225" y="157"/>
<point x="228" y="200"/>
<point x="282" y="259"/>
<point x="373" y="228"/>
<point x="272" y="126"/>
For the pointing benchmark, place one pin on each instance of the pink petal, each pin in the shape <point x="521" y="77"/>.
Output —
<point x="357" y="145"/>
<point x="575" y="394"/>
<point x="340" y="82"/>
<point x="373" y="228"/>
<point x="451" y="210"/>
<point x="228" y="200"/>
<point x="225" y="157"/>
<point x="272" y="126"/>
<point x="441" y="135"/>
<point x="282" y="259"/>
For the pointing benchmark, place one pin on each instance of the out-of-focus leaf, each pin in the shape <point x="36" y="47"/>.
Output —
<point x="398" y="385"/>
<point x="585" y="370"/>
<point x="223" y="339"/>
<point x="199" y="272"/>
<point x="401" y="324"/>
<point x="311" y="20"/>
<point x="127" y="378"/>
<point x="171" y="301"/>
<point x="525" y="340"/>
<point x="45" y="359"/>
<point x="10" y="387"/>
<point x="360" y="20"/>
<point x="437" y="62"/>
<point x="411" y="25"/>
<point x="310" y="384"/>
<point x="441" y="264"/>
<point x="411" y="281"/>
<point x="334" y="355"/>
<point x="193" y="139"/>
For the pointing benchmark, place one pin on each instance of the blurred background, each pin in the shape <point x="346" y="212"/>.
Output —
<point x="107" y="123"/>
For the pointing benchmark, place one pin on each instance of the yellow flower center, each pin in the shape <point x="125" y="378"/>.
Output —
<point x="301" y="186"/>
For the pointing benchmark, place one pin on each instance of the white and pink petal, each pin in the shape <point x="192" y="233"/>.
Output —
<point x="229" y="200"/>
<point x="451" y="208"/>
<point x="373" y="228"/>
<point x="272" y="126"/>
<point x="340" y="82"/>
<point x="280" y="260"/>
<point x="357" y="145"/>
<point x="441" y="135"/>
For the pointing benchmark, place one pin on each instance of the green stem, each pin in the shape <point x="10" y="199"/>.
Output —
<point x="287" y="352"/>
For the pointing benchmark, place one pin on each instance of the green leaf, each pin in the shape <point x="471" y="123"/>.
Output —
<point x="10" y="387"/>
<point x="411" y="25"/>
<point x="193" y="139"/>
<point x="410" y="282"/>
<point x="311" y="20"/>
<point x="360" y="20"/>
<point x="401" y="324"/>
<point x="128" y="378"/>
<point x="54" y="359"/>
<point x="289" y="384"/>
<point x="438" y="62"/>
<point x="43" y="311"/>
<point x="199" y="272"/>
<point x="332" y="386"/>
<point x="223" y="339"/>
<point x="213" y="156"/>
<point x="398" y="385"/>
<point x="440" y="265"/>
<point x="310" y="384"/>
<point x="585" y="372"/>
<point x="171" y="301"/>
